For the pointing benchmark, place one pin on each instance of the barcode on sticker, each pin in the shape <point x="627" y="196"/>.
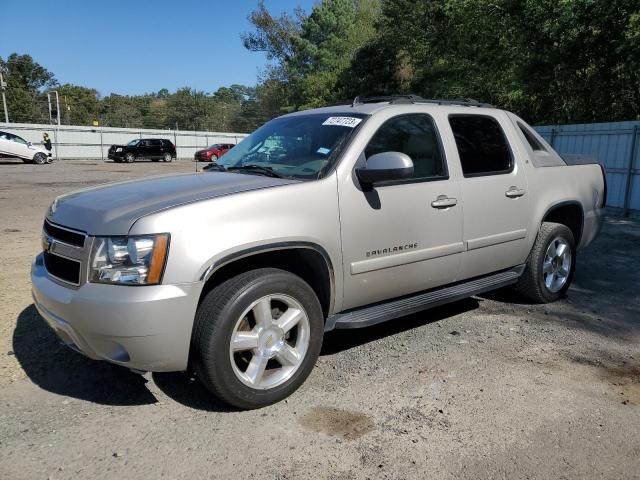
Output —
<point x="350" y="122"/>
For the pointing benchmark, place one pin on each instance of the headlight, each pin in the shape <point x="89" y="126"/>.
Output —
<point x="137" y="260"/>
<point x="118" y="149"/>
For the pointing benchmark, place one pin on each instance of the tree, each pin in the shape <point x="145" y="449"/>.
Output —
<point x="78" y="105"/>
<point x="120" y="111"/>
<point x="308" y="54"/>
<point x="570" y="61"/>
<point x="25" y="79"/>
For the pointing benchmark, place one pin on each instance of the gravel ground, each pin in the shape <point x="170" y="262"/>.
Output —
<point x="489" y="387"/>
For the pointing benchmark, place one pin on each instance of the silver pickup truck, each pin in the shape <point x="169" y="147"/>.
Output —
<point x="339" y="217"/>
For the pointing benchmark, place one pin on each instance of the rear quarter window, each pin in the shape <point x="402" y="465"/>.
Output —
<point x="533" y="142"/>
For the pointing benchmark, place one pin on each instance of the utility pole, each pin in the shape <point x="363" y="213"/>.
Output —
<point x="57" y="106"/>
<point x="55" y="133"/>
<point x="3" y="87"/>
<point x="68" y="109"/>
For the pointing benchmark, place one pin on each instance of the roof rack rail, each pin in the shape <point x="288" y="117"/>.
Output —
<point x="404" y="99"/>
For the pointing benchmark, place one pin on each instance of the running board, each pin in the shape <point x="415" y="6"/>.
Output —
<point x="382" y="312"/>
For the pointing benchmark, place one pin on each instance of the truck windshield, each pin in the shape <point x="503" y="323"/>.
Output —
<point x="133" y="143"/>
<point x="301" y="146"/>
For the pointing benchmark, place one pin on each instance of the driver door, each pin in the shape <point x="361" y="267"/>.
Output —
<point x="395" y="239"/>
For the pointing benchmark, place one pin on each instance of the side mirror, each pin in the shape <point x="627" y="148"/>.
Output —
<point x="385" y="166"/>
<point x="29" y="144"/>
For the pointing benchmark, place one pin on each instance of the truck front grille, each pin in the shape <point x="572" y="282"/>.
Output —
<point x="63" y="268"/>
<point x="64" y="235"/>
<point x="66" y="252"/>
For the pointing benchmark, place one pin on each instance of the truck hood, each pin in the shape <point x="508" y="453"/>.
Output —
<point x="112" y="209"/>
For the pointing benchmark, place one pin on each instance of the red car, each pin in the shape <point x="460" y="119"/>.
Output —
<point x="213" y="153"/>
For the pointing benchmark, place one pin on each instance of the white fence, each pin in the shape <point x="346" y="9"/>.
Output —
<point x="93" y="142"/>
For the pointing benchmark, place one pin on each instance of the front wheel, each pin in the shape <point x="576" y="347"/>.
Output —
<point x="257" y="337"/>
<point x="40" y="158"/>
<point x="551" y="264"/>
<point x="130" y="157"/>
<point x="213" y="158"/>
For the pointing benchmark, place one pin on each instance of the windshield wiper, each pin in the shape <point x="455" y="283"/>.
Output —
<point x="268" y="171"/>
<point x="215" y="166"/>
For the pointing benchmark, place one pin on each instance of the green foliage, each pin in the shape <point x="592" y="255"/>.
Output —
<point x="78" y="105"/>
<point x="550" y="61"/>
<point x="234" y="108"/>
<point x="309" y="54"/>
<point x="24" y="80"/>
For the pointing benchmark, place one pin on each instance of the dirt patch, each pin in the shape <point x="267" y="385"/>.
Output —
<point x="625" y="380"/>
<point x="337" y="423"/>
<point x="621" y="374"/>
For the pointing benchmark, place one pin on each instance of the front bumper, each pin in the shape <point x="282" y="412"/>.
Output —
<point x="140" y="327"/>
<point x="115" y="156"/>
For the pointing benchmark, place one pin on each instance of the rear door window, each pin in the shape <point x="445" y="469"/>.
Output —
<point x="482" y="145"/>
<point x="416" y="136"/>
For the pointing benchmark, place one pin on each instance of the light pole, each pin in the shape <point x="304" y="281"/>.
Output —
<point x="3" y="86"/>
<point x="55" y="132"/>
<point x="57" y="105"/>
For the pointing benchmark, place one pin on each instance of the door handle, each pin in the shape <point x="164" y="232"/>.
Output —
<point x="444" y="202"/>
<point x="515" y="192"/>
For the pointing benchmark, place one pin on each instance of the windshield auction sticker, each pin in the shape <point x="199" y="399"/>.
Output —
<point x="350" y="122"/>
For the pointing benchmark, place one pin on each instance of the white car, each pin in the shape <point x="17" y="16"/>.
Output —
<point x="14" y="146"/>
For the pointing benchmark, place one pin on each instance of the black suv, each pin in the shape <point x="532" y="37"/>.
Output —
<point x="152" y="148"/>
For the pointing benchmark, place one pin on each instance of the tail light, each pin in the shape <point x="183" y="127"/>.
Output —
<point x="604" y="180"/>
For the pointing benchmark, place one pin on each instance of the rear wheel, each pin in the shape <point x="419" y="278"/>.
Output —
<point x="551" y="264"/>
<point x="167" y="157"/>
<point x="257" y="337"/>
<point x="40" y="158"/>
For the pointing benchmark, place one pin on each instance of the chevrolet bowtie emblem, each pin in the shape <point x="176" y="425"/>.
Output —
<point x="46" y="243"/>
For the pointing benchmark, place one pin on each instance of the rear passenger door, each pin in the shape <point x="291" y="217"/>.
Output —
<point x="155" y="148"/>
<point x="494" y="193"/>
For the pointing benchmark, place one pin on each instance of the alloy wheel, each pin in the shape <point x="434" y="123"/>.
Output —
<point x="557" y="264"/>
<point x="269" y="341"/>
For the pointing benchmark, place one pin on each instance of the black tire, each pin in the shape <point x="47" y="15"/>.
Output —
<point x="167" y="157"/>
<point x="213" y="158"/>
<point x="49" y="159"/>
<point x="40" y="158"/>
<point x="532" y="282"/>
<point x="129" y="158"/>
<point x="216" y="319"/>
